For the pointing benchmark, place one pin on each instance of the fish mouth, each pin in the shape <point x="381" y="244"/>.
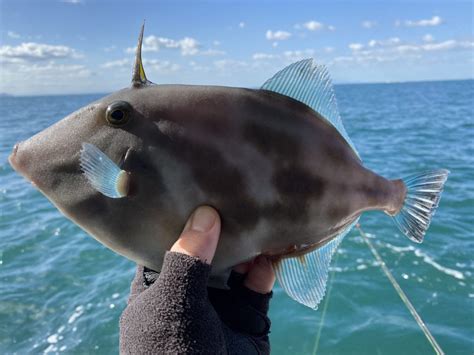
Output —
<point x="19" y="163"/>
<point x="14" y="160"/>
<point x="26" y="161"/>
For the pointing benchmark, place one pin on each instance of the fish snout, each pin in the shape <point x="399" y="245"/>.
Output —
<point x="22" y="160"/>
<point x="13" y="158"/>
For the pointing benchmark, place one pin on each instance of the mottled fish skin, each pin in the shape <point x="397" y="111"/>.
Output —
<point x="282" y="177"/>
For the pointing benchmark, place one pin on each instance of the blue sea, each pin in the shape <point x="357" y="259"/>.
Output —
<point x="63" y="292"/>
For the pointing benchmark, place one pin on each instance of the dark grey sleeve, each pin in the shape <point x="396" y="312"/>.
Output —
<point x="173" y="312"/>
<point x="173" y="315"/>
<point x="138" y="285"/>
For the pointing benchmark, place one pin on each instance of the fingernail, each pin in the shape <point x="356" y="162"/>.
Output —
<point x="203" y="219"/>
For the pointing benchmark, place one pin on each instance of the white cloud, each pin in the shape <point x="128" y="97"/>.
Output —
<point x="241" y="24"/>
<point x="448" y="45"/>
<point x="406" y="48"/>
<point x="32" y="51"/>
<point x="149" y="64"/>
<point x="277" y="35"/>
<point x="12" y="34"/>
<point x="296" y="55"/>
<point x="189" y="46"/>
<point x="428" y="38"/>
<point x="36" y="68"/>
<point x="260" y="56"/>
<point x="228" y="65"/>
<point x="160" y="65"/>
<point x="286" y="56"/>
<point x="434" y="21"/>
<point x="384" y="42"/>
<point x="48" y="78"/>
<point x="212" y="52"/>
<point x="329" y="49"/>
<point x="356" y="46"/>
<point x="392" y="49"/>
<point x="313" y="25"/>
<point x="52" y="69"/>
<point x="372" y="43"/>
<point x="117" y="63"/>
<point x="186" y="45"/>
<point x="368" y="24"/>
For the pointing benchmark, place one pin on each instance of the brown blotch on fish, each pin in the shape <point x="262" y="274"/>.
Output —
<point x="239" y="215"/>
<point x="216" y="176"/>
<point x="296" y="188"/>
<point x="276" y="144"/>
<point x="298" y="183"/>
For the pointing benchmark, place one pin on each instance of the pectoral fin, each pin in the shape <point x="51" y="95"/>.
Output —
<point x="102" y="173"/>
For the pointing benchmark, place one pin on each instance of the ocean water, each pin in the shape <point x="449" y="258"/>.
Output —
<point x="61" y="291"/>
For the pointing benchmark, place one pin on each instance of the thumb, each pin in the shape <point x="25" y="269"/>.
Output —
<point x="200" y="234"/>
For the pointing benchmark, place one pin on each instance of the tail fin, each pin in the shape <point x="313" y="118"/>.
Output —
<point x="422" y="198"/>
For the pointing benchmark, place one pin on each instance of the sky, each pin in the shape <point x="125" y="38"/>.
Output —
<point x="87" y="46"/>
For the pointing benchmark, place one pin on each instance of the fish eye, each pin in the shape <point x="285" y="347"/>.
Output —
<point x="118" y="113"/>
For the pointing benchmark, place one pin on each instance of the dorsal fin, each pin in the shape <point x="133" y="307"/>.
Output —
<point x="139" y="78"/>
<point x="310" y="84"/>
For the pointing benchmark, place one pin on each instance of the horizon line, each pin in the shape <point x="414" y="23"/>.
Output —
<point x="6" y="94"/>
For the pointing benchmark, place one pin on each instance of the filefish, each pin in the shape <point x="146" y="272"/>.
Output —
<point x="276" y="162"/>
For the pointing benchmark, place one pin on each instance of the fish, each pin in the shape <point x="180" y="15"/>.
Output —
<point x="276" y="162"/>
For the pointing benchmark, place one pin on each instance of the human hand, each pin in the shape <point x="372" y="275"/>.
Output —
<point x="200" y="235"/>
<point x="199" y="239"/>
<point x="259" y="274"/>
<point x="177" y="313"/>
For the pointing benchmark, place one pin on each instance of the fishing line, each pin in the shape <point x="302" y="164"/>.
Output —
<point x="400" y="292"/>
<point x="325" y="306"/>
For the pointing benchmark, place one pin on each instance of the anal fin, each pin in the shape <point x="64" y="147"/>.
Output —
<point x="305" y="282"/>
